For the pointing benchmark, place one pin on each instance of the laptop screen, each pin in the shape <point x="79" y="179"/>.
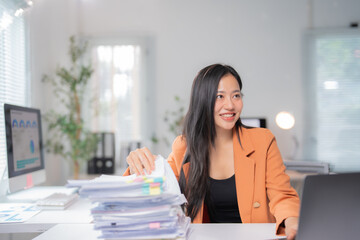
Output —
<point x="330" y="207"/>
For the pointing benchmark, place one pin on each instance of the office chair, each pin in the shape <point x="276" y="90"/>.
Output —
<point x="300" y="169"/>
<point x="307" y="166"/>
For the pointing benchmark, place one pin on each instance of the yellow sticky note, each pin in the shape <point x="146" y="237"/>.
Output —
<point x="155" y="191"/>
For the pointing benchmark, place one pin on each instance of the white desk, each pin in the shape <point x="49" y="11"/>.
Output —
<point x="255" y="231"/>
<point x="77" y="213"/>
<point x="74" y="223"/>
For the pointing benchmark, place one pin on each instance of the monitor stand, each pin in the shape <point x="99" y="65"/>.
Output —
<point x="39" y="192"/>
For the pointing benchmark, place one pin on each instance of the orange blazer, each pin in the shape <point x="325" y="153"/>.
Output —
<point x="263" y="188"/>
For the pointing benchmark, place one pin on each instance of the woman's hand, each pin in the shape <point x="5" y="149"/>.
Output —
<point x="291" y="227"/>
<point x="139" y="159"/>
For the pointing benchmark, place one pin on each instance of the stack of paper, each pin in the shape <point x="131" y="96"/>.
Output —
<point x="145" y="207"/>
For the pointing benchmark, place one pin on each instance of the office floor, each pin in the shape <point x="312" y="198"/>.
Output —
<point x="18" y="236"/>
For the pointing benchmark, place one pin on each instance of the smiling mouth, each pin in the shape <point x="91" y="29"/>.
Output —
<point x="227" y="115"/>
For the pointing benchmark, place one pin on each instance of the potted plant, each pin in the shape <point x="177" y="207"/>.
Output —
<point x="68" y="136"/>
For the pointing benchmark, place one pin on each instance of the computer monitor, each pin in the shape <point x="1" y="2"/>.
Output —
<point x="254" y="122"/>
<point x="24" y="147"/>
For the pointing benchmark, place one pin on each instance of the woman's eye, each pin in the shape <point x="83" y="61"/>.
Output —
<point x="237" y="96"/>
<point x="219" y="96"/>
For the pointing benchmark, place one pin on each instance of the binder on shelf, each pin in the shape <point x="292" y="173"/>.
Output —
<point x="104" y="159"/>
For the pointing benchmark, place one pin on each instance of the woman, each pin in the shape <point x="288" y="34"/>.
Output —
<point x="228" y="172"/>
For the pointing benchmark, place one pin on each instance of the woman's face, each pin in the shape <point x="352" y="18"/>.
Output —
<point x="228" y="104"/>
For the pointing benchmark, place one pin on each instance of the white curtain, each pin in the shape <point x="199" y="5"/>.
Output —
<point x="116" y="94"/>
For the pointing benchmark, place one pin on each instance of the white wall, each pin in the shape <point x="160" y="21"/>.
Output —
<point x="261" y="39"/>
<point x="51" y="23"/>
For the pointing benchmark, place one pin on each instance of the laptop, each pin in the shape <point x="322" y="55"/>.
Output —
<point x="330" y="207"/>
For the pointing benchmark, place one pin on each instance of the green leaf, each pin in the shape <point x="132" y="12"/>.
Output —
<point x="68" y="137"/>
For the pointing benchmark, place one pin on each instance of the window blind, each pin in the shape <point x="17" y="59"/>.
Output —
<point x="14" y="83"/>
<point x="333" y="99"/>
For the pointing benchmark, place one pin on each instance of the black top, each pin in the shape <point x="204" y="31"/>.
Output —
<point x="221" y="201"/>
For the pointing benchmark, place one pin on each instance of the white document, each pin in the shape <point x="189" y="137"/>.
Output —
<point x="162" y="168"/>
<point x="17" y="212"/>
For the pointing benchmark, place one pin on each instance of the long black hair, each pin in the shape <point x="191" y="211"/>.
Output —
<point x="199" y="131"/>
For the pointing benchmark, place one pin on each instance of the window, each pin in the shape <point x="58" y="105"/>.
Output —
<point x="14" y="83"/>
<point x="333" y="99"/>
<point x="120" y="91"/>
<point x="116" y="89"/>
